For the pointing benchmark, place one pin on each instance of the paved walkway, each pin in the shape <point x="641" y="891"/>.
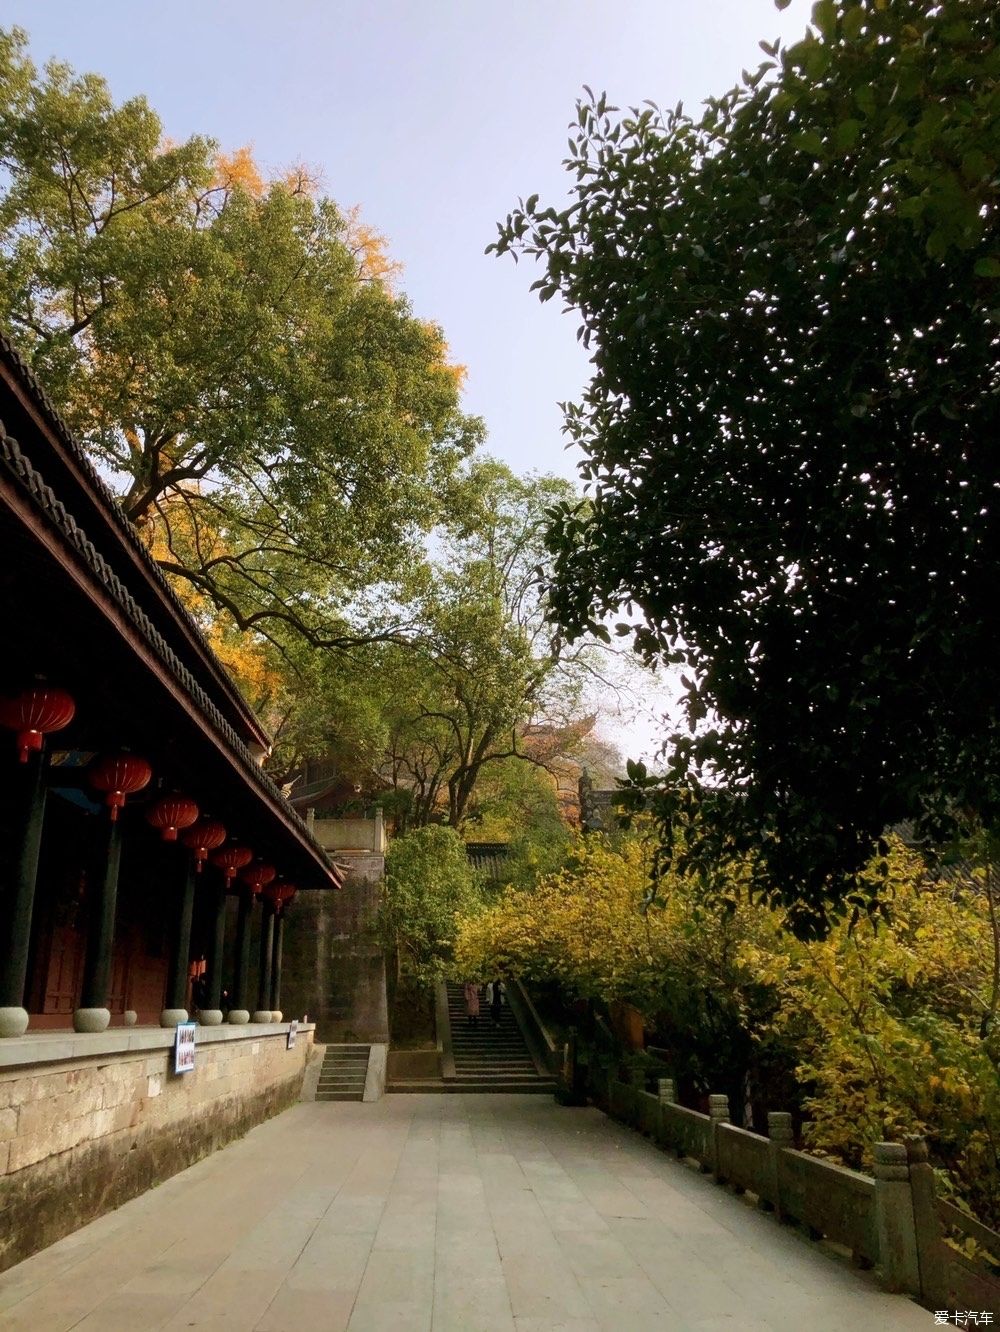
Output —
<point x="451" y="1213"/>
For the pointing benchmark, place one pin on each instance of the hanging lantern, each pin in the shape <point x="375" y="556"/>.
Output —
<point x="232" y="858"/>
<point x="258" y="876"/>
<point x="119" y="775"/>
<point x="277" y="894"/>
<point x="202" y="838"/>
<point x="171" y="813"/>
<point x="34" y="713"/>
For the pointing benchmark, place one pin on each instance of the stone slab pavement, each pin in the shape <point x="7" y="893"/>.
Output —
<point x="444" y="1214"/>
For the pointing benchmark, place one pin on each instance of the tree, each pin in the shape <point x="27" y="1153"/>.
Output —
<point x="792" y="303"/>
<point x="231" y="352"/>
<point x="428" y="884"/>
<point x="482" y="680"/>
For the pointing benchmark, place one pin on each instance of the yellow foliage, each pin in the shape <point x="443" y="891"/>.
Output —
<point x="238" y="170"/>
<point x="369" y="249"/>
<point x="456" y="373"/>
<point x="880" y="1026"/>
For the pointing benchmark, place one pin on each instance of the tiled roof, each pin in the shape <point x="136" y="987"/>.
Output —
<point x="12" y="456"/>
<point x="111" y="504"/>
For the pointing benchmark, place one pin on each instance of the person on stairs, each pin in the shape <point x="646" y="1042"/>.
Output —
<point x="495" y="999"/>
<point x="471" y="990"/>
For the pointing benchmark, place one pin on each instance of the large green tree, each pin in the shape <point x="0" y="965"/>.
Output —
<point x="230" y="351"/>
<point x="790" y="435"/>
<point x="483" y="679"/>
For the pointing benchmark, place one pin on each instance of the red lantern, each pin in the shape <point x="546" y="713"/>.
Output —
<point x="280" y="893"/>
<point x="202" y="838"/>
<point x="34" y="713"/>
<point x="171" y="813"/>
<point x="258" y="876"/>
<point x="232" y="858"/>
<point x="119" y="775"/>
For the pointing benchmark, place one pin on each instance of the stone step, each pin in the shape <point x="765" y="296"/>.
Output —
<point x="451" y="1087"/>
<point x="488" y="1066"/>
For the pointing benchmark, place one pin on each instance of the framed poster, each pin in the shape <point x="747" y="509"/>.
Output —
<point x="184" y="1047"/>
<point x="293" y="1027"/>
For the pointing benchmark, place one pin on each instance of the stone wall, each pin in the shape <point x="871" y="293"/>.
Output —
<point x="334" y="968"/>
<point x="81" y="1136"/>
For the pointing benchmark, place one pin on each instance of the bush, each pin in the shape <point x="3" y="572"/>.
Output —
<point x="428" y="881"/>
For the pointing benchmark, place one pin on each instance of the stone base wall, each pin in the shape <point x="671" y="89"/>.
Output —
<point x="334" y="968"/>
<point x="78" y="1139"/>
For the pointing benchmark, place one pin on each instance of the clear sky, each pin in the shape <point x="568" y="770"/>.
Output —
<point x="433" y="116"/>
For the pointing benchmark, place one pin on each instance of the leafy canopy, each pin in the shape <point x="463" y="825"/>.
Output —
<point x="790" y="435"/>
<point x="231" y="351"/>
<point x="429" y="882"/>
<point x="483" y="683"/>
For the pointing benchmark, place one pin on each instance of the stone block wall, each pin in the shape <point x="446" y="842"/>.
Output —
<point x="81" y="1137"/>
<point x="334" y="967"/>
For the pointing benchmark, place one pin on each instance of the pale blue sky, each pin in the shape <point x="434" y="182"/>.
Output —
<point x="433" y="115"/>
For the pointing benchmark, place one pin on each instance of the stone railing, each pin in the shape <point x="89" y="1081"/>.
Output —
<point x="893" y="1222"/>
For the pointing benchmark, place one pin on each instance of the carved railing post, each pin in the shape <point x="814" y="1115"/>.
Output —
<point x="897" y="1237"/>
<point x="718" y="1113"/>
<point x="779" y="1136"/>
<point x="667" y="1089"/>
<point x="926" y="1224"/>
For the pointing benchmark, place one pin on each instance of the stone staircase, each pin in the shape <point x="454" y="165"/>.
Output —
<point x="342" y="1075"/>
<point x="489" y="1059"/>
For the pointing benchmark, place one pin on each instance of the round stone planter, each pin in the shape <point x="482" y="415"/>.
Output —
<point x="262" y="1015"/>
<point x="210" y="1017"/>
<point x="239" y="1017"/>
<point x="170" y="1017"/>
<point x="13" y="1021"/>
<point x="131" y="1017"/>
<point x="91" y="1019"/>
<point x="276" y="1015"/>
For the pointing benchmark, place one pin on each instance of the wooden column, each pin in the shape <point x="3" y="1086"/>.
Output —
<point x="279" y="930"/>
<point x="93" y="1013"/>
<point x="177" y="976"/>
<point x="239" y="1012"/>
<point x="211" y="1016"/>
<point x="263" y="1013"/>
<point x="15" y="929"/>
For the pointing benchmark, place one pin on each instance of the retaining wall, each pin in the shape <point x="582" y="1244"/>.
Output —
<point x="89" y="1121"/>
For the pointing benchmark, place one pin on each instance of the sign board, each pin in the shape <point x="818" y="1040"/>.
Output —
<point x="184" y="1047"/>
<point x="293" y="1027"/>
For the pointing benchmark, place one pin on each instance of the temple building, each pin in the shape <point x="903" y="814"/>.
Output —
<point x="147" y="861"/>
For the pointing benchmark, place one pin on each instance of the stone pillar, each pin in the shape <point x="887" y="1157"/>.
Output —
<point x="718" y="1113"/>
<point x="279" y="931"/>
<point x="212" y="1015"/>
<point x="15" y="934"/>
<point x="263" y="1012"/>
<point x="927" y="1224"/>
<point x="667" y="1089"/>
<point x="897" y="1238"/>
<point x="239" y="1013"/>
<point x="93" y="1013"/>
<point x="779" y="1136"/>
<point x="175" y="1010"/>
